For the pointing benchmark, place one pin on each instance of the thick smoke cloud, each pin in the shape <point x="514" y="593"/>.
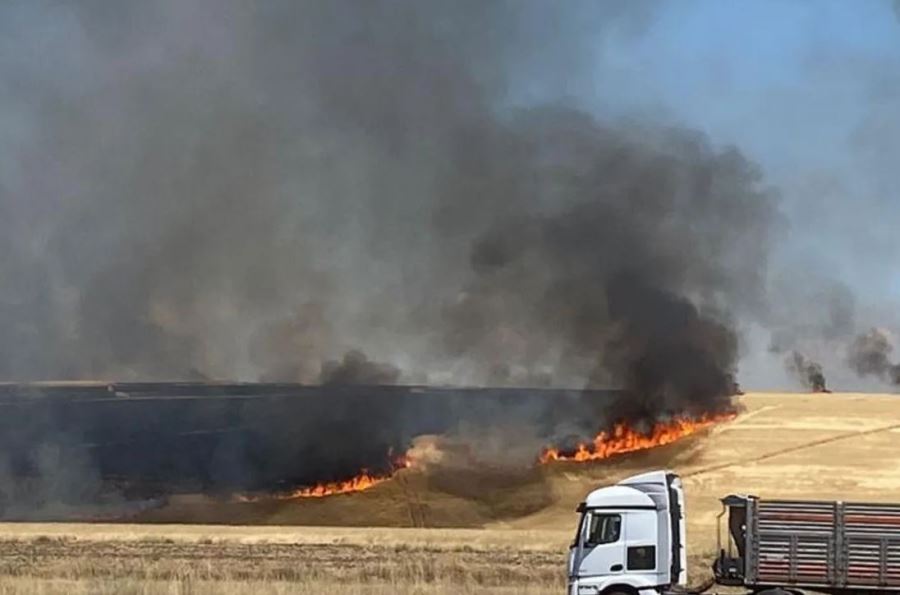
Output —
<point x="214" y="191"/>
<point x="628" y="280"/>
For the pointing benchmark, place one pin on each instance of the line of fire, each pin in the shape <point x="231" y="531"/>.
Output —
<point x="287" y="440"/>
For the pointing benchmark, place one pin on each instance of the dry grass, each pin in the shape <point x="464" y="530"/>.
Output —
<point x="32" y="586"/>
<point x="429" y="539"/>
<point x="131" y="561"/>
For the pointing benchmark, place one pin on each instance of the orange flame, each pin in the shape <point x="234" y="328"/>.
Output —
<point x="358" y="483"/>
<point x="624" y="439"/>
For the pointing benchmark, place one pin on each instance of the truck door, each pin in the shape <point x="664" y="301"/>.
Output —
<point x="603" y="544"/>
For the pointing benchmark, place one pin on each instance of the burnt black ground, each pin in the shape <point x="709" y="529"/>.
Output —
<point x="77" y="443"/>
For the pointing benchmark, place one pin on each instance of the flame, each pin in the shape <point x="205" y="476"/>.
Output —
<point x="358" y="483"/>
<point x="624" y="439"/>
<point x="620" y="440"/>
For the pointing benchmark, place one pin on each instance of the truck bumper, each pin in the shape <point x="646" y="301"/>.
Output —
<point x="596" y="585"/>
<point x="585" y="586"/>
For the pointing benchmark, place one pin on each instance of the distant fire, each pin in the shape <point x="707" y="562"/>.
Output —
<point x="624" y="439"/>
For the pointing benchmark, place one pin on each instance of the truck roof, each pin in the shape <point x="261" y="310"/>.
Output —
<point x="633" y="492"/>
<point x="618" y="496"/>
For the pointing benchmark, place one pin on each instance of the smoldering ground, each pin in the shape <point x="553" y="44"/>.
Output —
<point x="222" y="191"/>
<point x="95" y="450"/>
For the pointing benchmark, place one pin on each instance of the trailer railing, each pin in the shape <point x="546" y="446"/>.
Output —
<point x="834" y="545"/>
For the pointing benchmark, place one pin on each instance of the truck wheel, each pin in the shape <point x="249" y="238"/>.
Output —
<point x="775" y="591"/>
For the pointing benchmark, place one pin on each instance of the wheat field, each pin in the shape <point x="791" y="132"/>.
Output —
<point x="840" y="446"/>
<point x="74" y="558"/>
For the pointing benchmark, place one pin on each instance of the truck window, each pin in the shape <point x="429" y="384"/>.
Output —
<point x="604" y="528"/>
<point x="579" y="529"/>
<point x="642" y="557"/>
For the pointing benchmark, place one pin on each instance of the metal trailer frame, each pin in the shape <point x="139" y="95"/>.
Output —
<point x="827" y="546"/>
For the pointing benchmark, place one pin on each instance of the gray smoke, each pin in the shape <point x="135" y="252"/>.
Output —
<point x="290" y="349"/>
<point x="356" y="368"/>
<point x="811" y="309"/>
<point x="808" y="372"/>
<point x="216" y="190"/>
<point x="870" y="355"/>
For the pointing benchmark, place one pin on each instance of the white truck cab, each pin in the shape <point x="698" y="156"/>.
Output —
<point x="630" y="537"/>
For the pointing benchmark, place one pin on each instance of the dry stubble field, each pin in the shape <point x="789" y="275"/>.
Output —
<point x="783" y="445"/>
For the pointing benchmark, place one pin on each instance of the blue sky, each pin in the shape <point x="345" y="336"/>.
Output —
<point x="777" y="76"/>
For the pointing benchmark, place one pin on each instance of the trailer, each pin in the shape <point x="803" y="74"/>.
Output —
<point x="829" y="547"/>
<point x="631" y="539"/>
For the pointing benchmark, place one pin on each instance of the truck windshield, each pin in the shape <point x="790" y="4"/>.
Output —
<point x="603" y="528"/>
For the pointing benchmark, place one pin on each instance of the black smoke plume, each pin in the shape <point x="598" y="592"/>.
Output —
<point x="630" y="279"/>
<point x="808" y="372"/>
<point x="870" y="355"/>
